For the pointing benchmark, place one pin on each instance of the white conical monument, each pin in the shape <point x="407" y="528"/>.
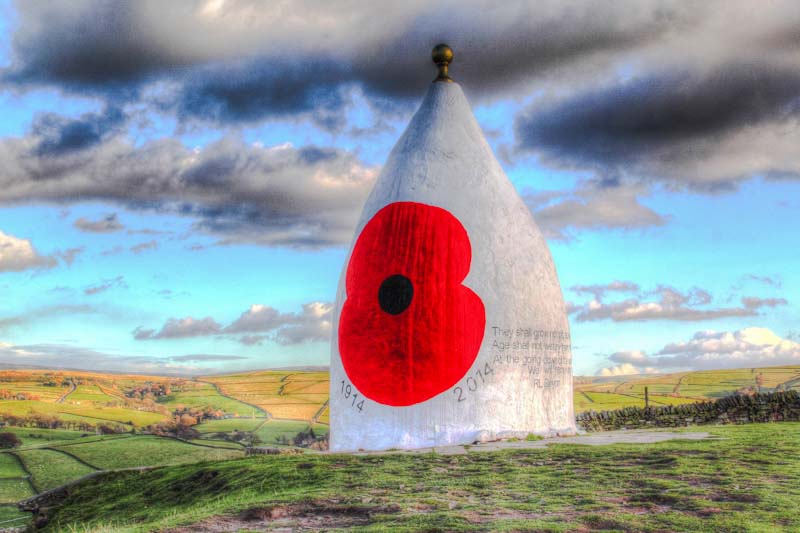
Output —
<point x="450" y="324"/>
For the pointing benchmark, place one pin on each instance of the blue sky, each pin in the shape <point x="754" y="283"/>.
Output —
<point x="175" y="205"/>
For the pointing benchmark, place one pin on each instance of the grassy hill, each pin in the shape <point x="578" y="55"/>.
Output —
<point x="607" y="393"/>
<point x="745" y="479"/>
<point x="265" y="407"/>
<point x="303" y="395"/>
<point x="50" y="458"/>
<point x="62" y="410"/>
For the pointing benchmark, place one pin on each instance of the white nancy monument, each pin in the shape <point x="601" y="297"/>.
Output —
<point x="449" y="325"/>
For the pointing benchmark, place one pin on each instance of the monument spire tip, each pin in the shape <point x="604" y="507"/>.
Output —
<point x="442" y="55"/>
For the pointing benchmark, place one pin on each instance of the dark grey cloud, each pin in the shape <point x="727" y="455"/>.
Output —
<point x="108" y="224"/>
<point x="668" y="304"/>
<point x="282" y="195"/>
<point x="240" y="61"/>
<point x="106" y="284"/>
<point x="699" y="95"/>
<point x="258" y="89"/>
<point x="89" y="44"/>
<point x="58" y="135"/>
<point x="559" y="215"/>
<point x="259" y="323"/>
<point x="697" y="128"/>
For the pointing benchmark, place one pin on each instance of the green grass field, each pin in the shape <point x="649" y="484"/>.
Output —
<point x="89" y="412"/>
<point x="744" y="480"/>
<point x="607" y="401"/>
<point x="91" y="394"/>
<point x="34" y="387"/>
<point x="296" y="399"/>
<point x="10" y="466"/>
<point x="143" y="450"/>
<point x="274" y="429"/>
<point x="297" y="395"/>
<point x="218" y="443"/>
<point x="13" y="490"/>
<point x="33" y="436"/>
<point x="14" y="484"/>
<point x="229" y="425"/>
<point x="51" y="468"/>
<point x="10" y="515"/>
<point x="201" y="395"/>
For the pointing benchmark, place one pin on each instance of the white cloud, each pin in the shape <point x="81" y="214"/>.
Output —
<point x="18" y="254"/>
<point x="312" y="324"/>
<point x="672" y="304"/>
<point x="257" y="318"/>
<point x="708" y="350"/>
<point x="625" y="369"/>
<point x="178" y="328"/>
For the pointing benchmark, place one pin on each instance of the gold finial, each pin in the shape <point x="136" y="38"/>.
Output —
<point x="442" y="55"/>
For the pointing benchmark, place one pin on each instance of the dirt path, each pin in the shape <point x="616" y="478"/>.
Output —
<point x="315" y="418"/>
<point x="791" y="383"/>
<point x="677" y="389"/>
<point x="70" y="391"/>
<point x="636" y="436"/>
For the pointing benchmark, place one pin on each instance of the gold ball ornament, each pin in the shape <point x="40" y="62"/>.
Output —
<point x="442" y="55"/>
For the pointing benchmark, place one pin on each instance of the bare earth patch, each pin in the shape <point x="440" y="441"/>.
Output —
<point x="313" y="516"/>
<point x="602" y="438"/>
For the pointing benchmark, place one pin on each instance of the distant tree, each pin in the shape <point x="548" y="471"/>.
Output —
<point x="9" y="440"/>
<point x="187" y="433"/>
<point x="187" y="420"/>
<point x="109" y="429"/>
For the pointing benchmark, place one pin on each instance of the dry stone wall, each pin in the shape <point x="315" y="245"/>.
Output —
<point x="736" y="409"/>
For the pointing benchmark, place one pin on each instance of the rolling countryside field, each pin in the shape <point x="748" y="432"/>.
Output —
<point x="744" y="478"/>
<point x="72" y="424"/>
<point x="292" y="396"/>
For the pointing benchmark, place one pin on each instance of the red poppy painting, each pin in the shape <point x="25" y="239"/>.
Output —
<point x="409" y="329"/>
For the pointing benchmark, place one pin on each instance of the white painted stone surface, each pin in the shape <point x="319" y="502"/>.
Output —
<point x="443" y="160"/>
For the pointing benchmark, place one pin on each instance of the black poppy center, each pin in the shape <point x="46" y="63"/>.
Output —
<point x="395" y="294"/>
